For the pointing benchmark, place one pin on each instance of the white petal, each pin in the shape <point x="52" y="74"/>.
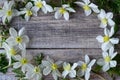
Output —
<point x="100" y="39"/>
<point x="102" y="14"/>
<point x="18" y="57"/>
<point x="105" y="54"/>
<point x="66" y="16"/>
<point x="87" y="59"/>
<point x="111" y="22"/>
<point x="50" y="60"/>
<point x="29" y="5"/>
<point x="111" y="51"/>
<point x="16" y="65"/>
<point x="49" y="8"/>
<point x="35" y="9"/>
<point x="103" y="25"/>
<point x="74" y="66"/>
<point x="114" y="40"/>
<point x="4" y="19"/>
<point x="94" y="8"/>
<point x="45" y="63"/>
<point x="57" y="15"/>
<point x="70" y="9"/>
<point x="80" y="3"/>
<point x="113" y="63"/>
<point x="87" y="75"/>
<point x="54" y="76"/>
<point x="44" y="10"/>
<point x="25" y="39"/>
<point x="1" y="13"/>
<point x="114" y="55"/>
<point x="112" y="31"/>
<point x="65" y="73"/>
<point x="106" y="67"/>
<point x="11" y="3"/>
<point x="88" y="12"/>
<point x="13" y="32"/>
<point x="101" y="62"/>
<point x="109" y="15"/>
<point x="59" y="63"/>
<point x="27" y="18"/>
<point x="106" y="32"/>
<point x="92" y="63"/>
<point x="21" y="31"/>
<point x="86" y="1"/>
<point x="72" y="74"/>
<point x="106" y="46"/>
<point x="11" y="41"/>
<point x="65" y="5"/>
<point x="46" y="71"/>
<point x="24" y="68"/>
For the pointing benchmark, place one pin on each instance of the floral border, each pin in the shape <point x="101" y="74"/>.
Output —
<point x="15" y="44"/>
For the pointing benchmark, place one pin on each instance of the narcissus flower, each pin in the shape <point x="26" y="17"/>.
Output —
<point x="18" y="38"/>
<point x="107" y="41"/>
<point x="22" y="61"/>
<point x="41" y="4"/>
<point x="63" y="11"/>
<point x="11" y="51"/>
<point x="51" y="67"/>
<point x="7" y="12"/>
<point x="28" y="11"/>
<point x="34" y="73"/>
<point x="107" y="62"/>
<point x="106" y="19"/>
<point x="88" y="7"/>
<point x="85" y="67"/>
<point x="69" y="70"/>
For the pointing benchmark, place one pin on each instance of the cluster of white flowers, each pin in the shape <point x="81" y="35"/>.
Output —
<point x="15" y="45"/>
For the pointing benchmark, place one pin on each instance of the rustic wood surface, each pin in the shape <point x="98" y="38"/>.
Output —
<point x="60" y="39"/>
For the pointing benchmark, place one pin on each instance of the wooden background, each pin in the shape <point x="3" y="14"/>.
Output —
<point x="60" y="39"/>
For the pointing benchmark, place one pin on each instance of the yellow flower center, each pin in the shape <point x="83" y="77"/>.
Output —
<point x="106" y="38"/>
<point x="29" y="13"/>
<point x="62" y="10"/>
<point x="54" y="66"/>
<point x="86" y="7"/>
<point x="9" y="13"/>
<point x="12" y="51"/>
<point x="104" y="21"/>
<point x="107" y="59"/>
<point x="67" y="67"/>
<point x="84" y="66"/>
<point x="24" y="61"/>
<point x="39" y="4"/>
<point x="36" y="69"/>
<point x="18" y="39"/>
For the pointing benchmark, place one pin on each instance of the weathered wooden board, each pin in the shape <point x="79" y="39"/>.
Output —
<point x="46" y="32"/>
<point x="60" y="39"/>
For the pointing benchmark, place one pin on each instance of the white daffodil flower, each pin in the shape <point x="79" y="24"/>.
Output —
<point x="51" y="67"/>
<point x="85" y="67"/>
<point x="69" y="70"/>
<point x="88" y="7"/>
<point x="11" y="51"/>
<point x="107" y="61"/>
<point x="41" y="4"/>
<point x="22" y="61"/>
<point x="7" y="12"/>
<point x="107" y="41"/>
<point x="106" y="19"/>
<point x="34" y="73"/>
<point x="18" y="38"/>
<point x="63" y="11"/>
<point x="28" y="11"/>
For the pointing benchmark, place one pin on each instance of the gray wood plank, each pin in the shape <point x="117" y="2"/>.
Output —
<point x="46" y="32"/>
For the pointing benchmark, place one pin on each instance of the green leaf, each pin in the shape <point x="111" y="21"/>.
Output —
<point x="3" y="63"/>
<point x="38" y="59"/>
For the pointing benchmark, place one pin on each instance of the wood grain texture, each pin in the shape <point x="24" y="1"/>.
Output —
<point x="60" y="39"/>
<point x="46" y="32"/>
